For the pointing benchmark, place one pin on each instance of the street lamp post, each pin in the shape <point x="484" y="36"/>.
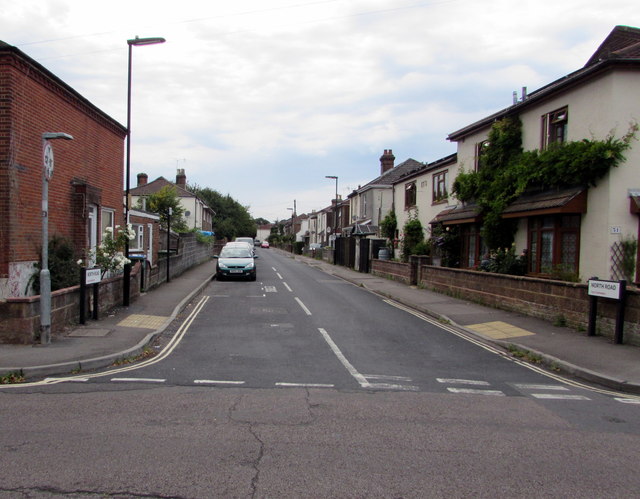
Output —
<point x="335" y="208"/>
<point x="45" y="275"/>
<point x="126" y="284"/>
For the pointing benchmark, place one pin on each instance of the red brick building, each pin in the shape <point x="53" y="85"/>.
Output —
<point x="85" y="191"/>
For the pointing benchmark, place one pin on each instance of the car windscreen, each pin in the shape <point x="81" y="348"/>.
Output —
<point x="235" y="253"/>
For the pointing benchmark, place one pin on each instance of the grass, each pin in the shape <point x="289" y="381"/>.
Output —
<point x="11" y="378"/>
<point x="145" y="354"/>
<point x="525" y="355"/>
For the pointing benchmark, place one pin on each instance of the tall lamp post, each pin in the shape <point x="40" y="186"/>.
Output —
<point x="126" y="284"/>
<point x="45" y="275"/>
<point x="335" y="209"/>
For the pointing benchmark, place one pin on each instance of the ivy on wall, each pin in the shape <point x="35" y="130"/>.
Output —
<point x="506" y="172"/>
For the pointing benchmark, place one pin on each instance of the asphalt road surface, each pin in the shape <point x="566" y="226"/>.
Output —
<point x="303" y="385"/>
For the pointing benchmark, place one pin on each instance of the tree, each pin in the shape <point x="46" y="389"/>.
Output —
<point x="160" y="202"/>
<point x="231" y="219"/>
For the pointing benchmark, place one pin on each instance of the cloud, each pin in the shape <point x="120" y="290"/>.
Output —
<point x="262" y="99"/>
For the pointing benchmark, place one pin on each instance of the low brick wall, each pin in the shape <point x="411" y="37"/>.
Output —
<point x="396" y="271"/>
<point x="20" y="317"/>
<point x="20" y="322"/>
<point x="542" y="298"/>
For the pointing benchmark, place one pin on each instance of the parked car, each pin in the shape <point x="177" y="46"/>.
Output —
<point x="236" y="261"/>
<point x="264" y="244"/>
<point x="313" y="247"/>
<point x="244" y="240"/>
<point x="240" y="244"/>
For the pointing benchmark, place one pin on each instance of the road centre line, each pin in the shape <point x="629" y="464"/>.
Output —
<point x="352" y="370"/>
<point x="306" y="310"/>
<point x="287" y="286"/>
<point x="278" y="274"/>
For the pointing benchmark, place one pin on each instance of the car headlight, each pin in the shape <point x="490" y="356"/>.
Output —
<point x="250" y="265"/>
<point x="222" y="265"/>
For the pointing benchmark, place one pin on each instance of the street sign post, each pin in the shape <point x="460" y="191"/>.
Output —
<point x="611" y="290"/>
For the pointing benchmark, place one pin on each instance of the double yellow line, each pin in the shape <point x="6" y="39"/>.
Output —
<point x="163" y="354"/>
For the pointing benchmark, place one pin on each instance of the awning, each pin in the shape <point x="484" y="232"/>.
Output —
<point x="361" y="230"/>
<point x="458" y="215"/>
<point x="548" y="203"/>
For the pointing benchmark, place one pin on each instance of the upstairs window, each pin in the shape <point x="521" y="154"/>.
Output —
<point x="554" y="127"/>
<point x="481" y="149"/>
<point x="439" y="187"/>
<point x="409" y="195"/>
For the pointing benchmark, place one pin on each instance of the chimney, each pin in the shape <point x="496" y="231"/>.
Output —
<point x="142" y="179"/>
<point x="386" y="161"/>
<point x="181" y="178"/>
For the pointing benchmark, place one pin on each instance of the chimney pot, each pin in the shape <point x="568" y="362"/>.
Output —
<point x="181" y="178"/>
<point x="142" y="179"/>
<point x="387" y="161"/>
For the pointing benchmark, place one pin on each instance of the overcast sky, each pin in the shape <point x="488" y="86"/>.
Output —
<point x="261" y="99"/>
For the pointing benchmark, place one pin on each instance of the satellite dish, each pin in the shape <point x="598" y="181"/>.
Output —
<point x="187" y="213"/>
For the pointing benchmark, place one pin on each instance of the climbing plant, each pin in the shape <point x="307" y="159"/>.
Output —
<point x="505" y="172"/>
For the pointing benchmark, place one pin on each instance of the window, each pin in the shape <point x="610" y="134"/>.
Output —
<point x="107" y="219"/>
<point x="554" y="127"/>
<point x="440" y="192"/>
<point x="481" y="149"/>
<point x="409" y="195"/>
<point x="137" y="243"/>
<point x="554" y="243"/>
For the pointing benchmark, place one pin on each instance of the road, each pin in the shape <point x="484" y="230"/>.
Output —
<point x="303" y="385"/>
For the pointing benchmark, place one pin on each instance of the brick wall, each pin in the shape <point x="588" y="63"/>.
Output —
<point x="397" y="271"/>
<point x="542" y="298"/>
<point x="87" y="169"/>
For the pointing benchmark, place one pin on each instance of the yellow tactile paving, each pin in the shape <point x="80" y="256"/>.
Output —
<point x="145" y="321"/>
<point x="499" y="330"/>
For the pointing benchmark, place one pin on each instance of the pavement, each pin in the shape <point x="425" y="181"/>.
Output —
<point x="125" y="332"/>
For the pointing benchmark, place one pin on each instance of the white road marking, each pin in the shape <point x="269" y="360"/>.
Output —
<point x="352" y="370"/>
<point x="627" y="401"/>
<point x="476" y="392"/>
<point x="216" y="382"/>
<point x="305" y="385"/>
<point x="287" y="286"/>
<point x="278" y="274"/>
<point x="540" y="387"/>
<point x="384" y="376"/>
<point x="306" y="310"/>
<point x="138" y="380"/>
<point x="270" y="289"/>
<point x="391" y="386"/>
<point x="557" y="396"/>
<point x="76" y="380"/>
<point x="454" y="381"/>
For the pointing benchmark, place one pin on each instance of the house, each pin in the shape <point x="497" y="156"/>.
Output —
<point x="86" y="182"/>
<point x="197" y="214"/>
<point x="371" y="203"/>
<point x="423" y="192"/>
<point x="576" y="227"/>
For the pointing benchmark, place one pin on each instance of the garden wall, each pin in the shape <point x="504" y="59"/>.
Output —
<point x="20" y="317"/>
<point x="556" y="301"/>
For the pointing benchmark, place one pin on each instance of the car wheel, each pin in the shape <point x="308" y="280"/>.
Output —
<point x="253" y="277"/>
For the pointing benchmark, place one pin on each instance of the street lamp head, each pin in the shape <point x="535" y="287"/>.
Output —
<point x="146" y="41"/>
<point x="56" y="135"/>
<point x="331" y="176"/>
